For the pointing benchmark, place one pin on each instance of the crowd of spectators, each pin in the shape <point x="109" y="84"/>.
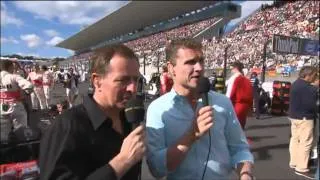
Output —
<point x="245" y="43"/>
<point x="297" y="18"/>
<point x="159" y="40"/>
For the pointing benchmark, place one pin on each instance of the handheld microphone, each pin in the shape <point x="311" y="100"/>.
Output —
<point x="134" y="111"/>
<point x="203" y="89"/>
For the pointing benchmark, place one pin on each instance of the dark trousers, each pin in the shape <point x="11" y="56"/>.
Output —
<point x="256" y="100"/>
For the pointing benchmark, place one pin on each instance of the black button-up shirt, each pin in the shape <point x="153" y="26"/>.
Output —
<point x="80" y="144"/>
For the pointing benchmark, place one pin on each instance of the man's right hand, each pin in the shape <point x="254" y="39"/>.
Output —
<point x="132" y="151"/>
<point x="203" y="122"/>
<point x="133" y="146"/>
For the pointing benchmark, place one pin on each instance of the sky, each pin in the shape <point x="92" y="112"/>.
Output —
<point x="33" y="28"/>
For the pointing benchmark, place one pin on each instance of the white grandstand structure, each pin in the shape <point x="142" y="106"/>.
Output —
<point x="139" y="21"/>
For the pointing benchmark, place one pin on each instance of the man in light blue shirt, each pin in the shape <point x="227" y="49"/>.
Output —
<point x="181" y="132"/>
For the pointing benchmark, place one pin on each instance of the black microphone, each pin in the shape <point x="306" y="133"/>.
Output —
<point x="203" y="89"/>
<point x="134" y="111"/>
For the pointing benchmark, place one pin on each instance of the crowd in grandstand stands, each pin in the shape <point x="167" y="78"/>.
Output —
<point x="160" y="39"/>
<point x="299" y="19"/>
<point x="246" y="41"/>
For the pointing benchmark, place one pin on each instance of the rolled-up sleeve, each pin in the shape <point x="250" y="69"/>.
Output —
<point x="236" y="139"/>
<point x="156" y="145"/>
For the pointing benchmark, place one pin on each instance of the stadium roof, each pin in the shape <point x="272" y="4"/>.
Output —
<point x="135" y="15"/>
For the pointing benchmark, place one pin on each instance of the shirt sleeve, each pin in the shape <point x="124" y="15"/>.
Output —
<point x="236" y="140"/>
<point x="22" y="82"/>
<point x="156" y="148"/>
<point x="58" y="161"/>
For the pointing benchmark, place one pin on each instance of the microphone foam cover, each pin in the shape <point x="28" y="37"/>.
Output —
<point x="134" y="110"/>
<point x="204" y="85"/>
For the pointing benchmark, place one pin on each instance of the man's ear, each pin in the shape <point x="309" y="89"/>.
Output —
<point x="95" y="80"/>
<point x="171" y="69"/>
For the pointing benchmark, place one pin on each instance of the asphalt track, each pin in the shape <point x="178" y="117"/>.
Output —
<point x="270" y="136"/>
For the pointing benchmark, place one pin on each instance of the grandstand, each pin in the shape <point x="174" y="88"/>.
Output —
<point x="245" y="42"/>
<point x="146" y="34"/>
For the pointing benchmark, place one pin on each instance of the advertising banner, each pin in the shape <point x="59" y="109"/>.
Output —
<point x="294" y="45"/>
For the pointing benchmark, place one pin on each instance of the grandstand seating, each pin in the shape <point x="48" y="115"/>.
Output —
<point x="293" y="18"/>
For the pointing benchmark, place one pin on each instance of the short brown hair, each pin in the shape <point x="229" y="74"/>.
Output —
<point x="102" y="56"/>
<point x="238" y="65"/>
<point x="165" y="68"/>
<point x="175" y="45"/>
<point x="307" y="71"/>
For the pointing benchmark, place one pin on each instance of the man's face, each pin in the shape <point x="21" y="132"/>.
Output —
<point x="59" y="107"/>
<point x="120" y="82"/>
<point x="233" y="70"/>
<point x="188" y="68"/>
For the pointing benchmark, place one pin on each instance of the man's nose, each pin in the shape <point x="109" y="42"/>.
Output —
<point x="132" y="86"/>
<point x="198" y="67"/>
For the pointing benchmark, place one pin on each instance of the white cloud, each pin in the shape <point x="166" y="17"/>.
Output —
<point x="70" y="51"/>
<point x="51" y="32"/>
<point x="32" y="40"/>
<point x="248" y="7"/>
<point x="28" y="54"/>
<point x="55" y="40"/>
<point x="8" y="17"/>
<point x="70" y="12"/>
<point x="9" y="40"/>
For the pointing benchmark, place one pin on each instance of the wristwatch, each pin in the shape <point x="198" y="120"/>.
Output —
<point x="247" y="173"/>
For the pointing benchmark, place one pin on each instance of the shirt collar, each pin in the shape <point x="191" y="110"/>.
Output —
<point x="96" y="115"/>
<point x="179" y="98"/>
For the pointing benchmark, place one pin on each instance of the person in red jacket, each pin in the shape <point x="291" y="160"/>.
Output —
<point x="165" y="81"/>
<point x="239" y="90"/>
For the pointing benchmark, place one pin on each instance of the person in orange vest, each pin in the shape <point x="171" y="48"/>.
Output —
<point x="13" y="114"/>
<point x="165" y="81"/>
<point x="38" y="95"/>
<point x="239" y="90"/>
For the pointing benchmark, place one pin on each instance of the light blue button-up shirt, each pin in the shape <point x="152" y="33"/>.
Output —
<point x="170" y="116"/>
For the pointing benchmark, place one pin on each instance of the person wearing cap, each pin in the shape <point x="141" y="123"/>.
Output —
<point x="239" y="90"/>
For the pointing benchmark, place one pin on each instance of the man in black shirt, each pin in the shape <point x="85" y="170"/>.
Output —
<point x="93" y="140"/>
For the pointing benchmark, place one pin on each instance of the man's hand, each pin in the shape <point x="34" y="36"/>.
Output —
<point x="132" y="151"/>
<point x="246" y="177"/>
<point x="203" y="122"/>
<point x="177" y="152"/>
<point x="133" y="147"/>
